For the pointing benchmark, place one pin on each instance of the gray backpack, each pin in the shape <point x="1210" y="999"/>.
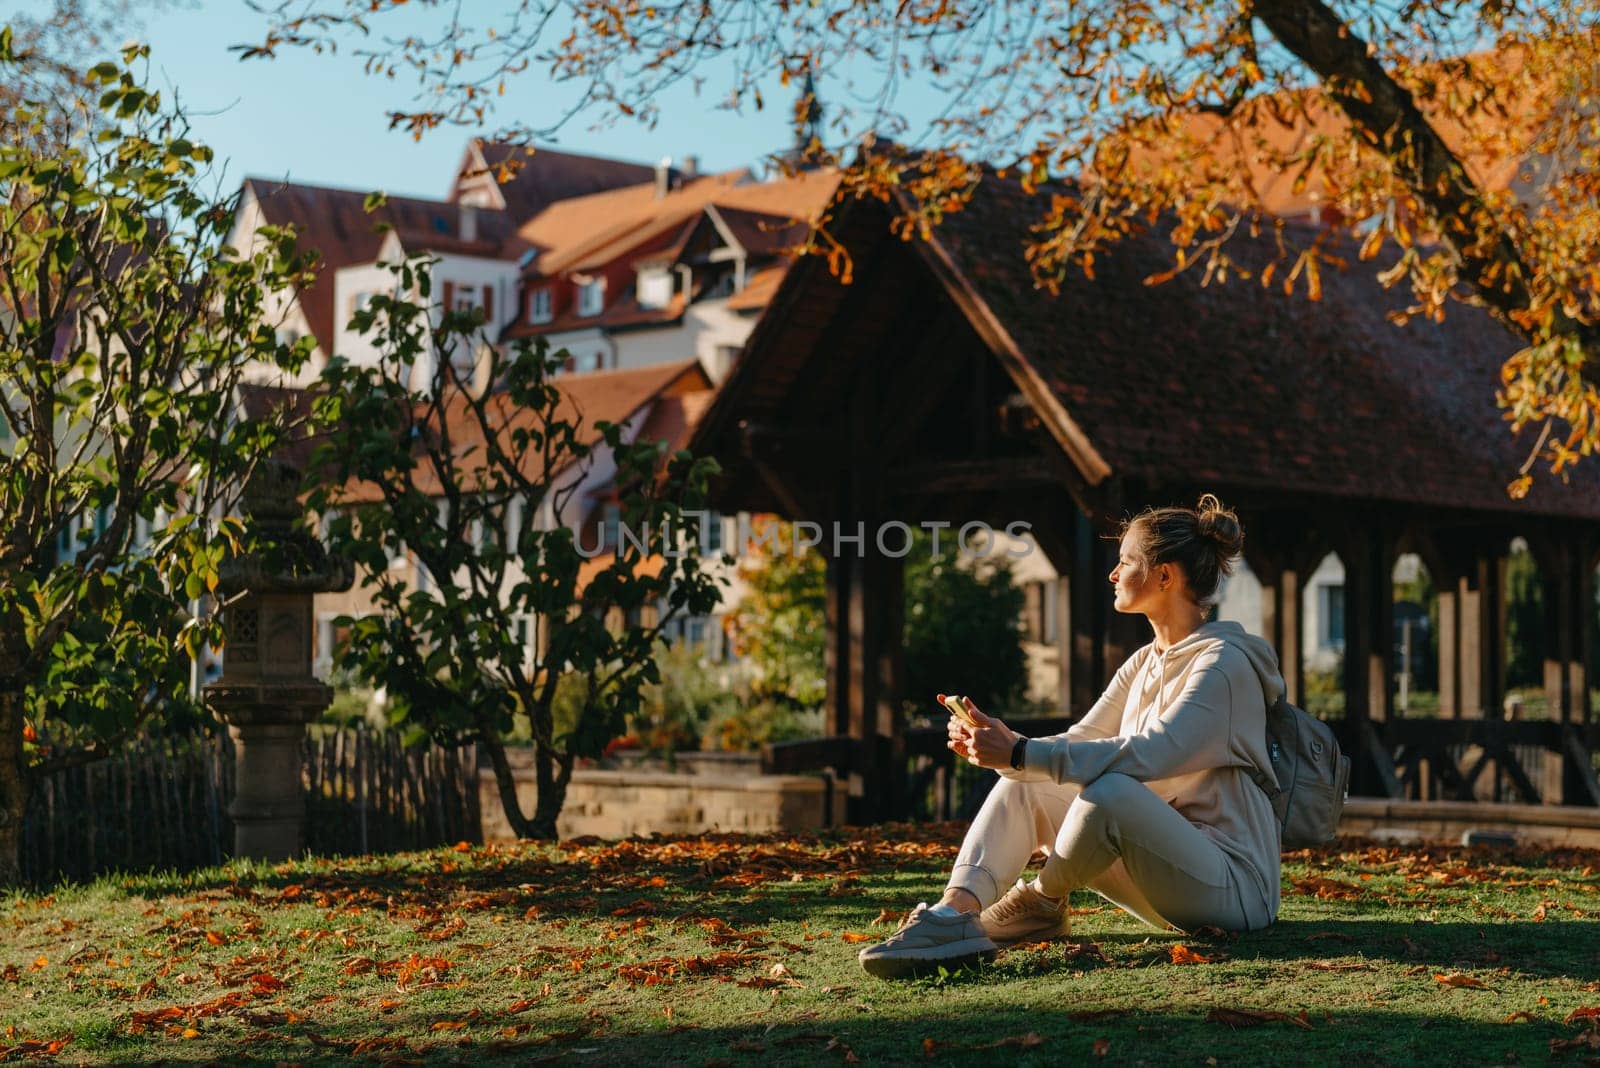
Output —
<point x="1313" y="776"/>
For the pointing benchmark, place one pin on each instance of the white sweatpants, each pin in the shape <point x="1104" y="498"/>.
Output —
<point x="1113" y="836"/>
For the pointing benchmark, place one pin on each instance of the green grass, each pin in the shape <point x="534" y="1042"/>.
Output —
<point x="670" y="950"/>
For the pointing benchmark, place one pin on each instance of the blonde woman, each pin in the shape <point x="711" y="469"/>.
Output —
<point x="1148" y="799"/>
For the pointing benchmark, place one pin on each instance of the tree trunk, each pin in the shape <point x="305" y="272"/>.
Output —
<point x="506" y="785"/>
<point x="13" y="782"/>
<point x="553" y="772"/>
<point x="1387" y="113"/>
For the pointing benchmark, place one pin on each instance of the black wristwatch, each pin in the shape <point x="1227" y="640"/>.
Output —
<point x="1018" y="751"/>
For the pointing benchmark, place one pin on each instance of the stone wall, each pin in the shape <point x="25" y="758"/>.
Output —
<point x="1555" y="825"/>
<point x="618" y="804"/>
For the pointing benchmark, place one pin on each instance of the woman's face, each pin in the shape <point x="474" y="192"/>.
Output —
<point x="1138" y="585"/>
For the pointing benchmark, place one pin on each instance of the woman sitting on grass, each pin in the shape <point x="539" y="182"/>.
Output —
<point x="1147" y="800"/>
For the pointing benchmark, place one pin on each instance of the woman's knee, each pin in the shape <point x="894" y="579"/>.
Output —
<point x="1111" y="789"/>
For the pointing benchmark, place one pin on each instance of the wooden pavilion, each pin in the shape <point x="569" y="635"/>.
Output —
<point x="942" y="384"/>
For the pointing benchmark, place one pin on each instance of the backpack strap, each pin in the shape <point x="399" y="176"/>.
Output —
<point x="1268" y="784"/>
<point x="1259" y="777"/>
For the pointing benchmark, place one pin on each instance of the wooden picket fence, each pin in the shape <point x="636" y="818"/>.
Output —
<point x="163" y="803"/>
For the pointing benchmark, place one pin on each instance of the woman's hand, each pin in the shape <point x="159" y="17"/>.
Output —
<point x="987" y="746"/>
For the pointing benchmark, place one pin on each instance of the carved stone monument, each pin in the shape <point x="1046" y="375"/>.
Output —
<point x="267" y="692"/>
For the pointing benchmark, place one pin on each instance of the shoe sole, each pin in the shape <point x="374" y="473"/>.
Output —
<point x="952" y="957"/>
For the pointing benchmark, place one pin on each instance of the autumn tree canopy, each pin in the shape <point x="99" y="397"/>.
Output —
<point x="1450" y="142"/>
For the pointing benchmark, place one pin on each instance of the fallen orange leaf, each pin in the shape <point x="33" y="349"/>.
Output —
<point x="851" y="936"/>
<point x="448" y="1025"/>
<point x="1182" y="954"/>
<point x="216" y="939"/>
<point x="1458" y="979"/>
<point x="1522" y="1015"/>
<point x="1102" y="1046"/>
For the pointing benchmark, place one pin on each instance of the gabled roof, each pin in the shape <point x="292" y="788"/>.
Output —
<point x="578" y="229"/>
<point x="765" y="219"/>
<point x="1180" y="385"/>
<point x="535" y="178"/>
<point x="335" y="223"/>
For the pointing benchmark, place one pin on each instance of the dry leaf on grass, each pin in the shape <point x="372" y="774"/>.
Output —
<point x="1460" y="979"/>
<point x="1182" y="954"/>
<point x="851" y="936"/>
<point x="889" y="916"/>
<point x="1523" y="1016"/>
<point x="1101" y="1047"/>
<point x="1326" y="889"/>
<point x="1256" y="1018"/>
<point x="34" y="1048"/>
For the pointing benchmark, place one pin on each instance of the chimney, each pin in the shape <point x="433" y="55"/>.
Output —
<point x="691" y="166"/>
<point x="469" y="222"/>
<point x="663" y="176"/>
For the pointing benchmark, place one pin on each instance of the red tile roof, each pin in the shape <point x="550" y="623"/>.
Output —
<point x="634" y="224"/>
<point x="335" y="223"/>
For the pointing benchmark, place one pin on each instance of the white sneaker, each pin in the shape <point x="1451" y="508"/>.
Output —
<point x="1025" y="915"/>
<point x="927" y="941"/>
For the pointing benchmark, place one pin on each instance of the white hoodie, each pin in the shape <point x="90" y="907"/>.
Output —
<point x="1190" y="723"/>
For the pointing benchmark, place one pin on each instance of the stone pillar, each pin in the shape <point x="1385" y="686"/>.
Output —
<point x="267" y="692"/>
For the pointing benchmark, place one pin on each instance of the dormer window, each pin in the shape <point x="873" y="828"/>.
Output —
<point x="539" y="306"/>
<point x="654" y="287"/>
<point x="592" y="297"/>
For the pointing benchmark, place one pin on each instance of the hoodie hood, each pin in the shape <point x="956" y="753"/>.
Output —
<point x="1258" y="651"/>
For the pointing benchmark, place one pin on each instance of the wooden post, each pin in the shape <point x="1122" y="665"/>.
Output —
<point x="1368" y="647"/>
<point x="1092" y="563"/>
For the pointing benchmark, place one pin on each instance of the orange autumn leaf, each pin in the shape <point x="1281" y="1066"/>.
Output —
<point x="1182" y="954"/>
<point x="1523" y="1015"/>
<point x="462" y="847"/>
<point x="448" y="1025"/>
<point x="39" y="963"/>
<point x="1101" y="1047"/>
<point x="1458" y="979"/>
<point x="521" y="1005"/>
<point x="851" y="936"/>
<point x="1590" y="1012"/>
<point x="28" y="733"/>
<point x="216" y="939"/>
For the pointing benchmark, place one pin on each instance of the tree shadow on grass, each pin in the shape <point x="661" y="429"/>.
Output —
<point x="942" y="1024"/>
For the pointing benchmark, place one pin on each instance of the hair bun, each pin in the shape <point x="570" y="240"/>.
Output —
<point x="1219" y="525"/>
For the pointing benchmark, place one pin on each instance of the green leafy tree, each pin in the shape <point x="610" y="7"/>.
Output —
<point x="778" y="624"/>
<point x="459" y="479"/>
<point x="125" y="326"/>
<point x="963" y="623"/>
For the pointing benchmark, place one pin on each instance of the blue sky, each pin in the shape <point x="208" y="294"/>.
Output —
<point x="321" y="120"/>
